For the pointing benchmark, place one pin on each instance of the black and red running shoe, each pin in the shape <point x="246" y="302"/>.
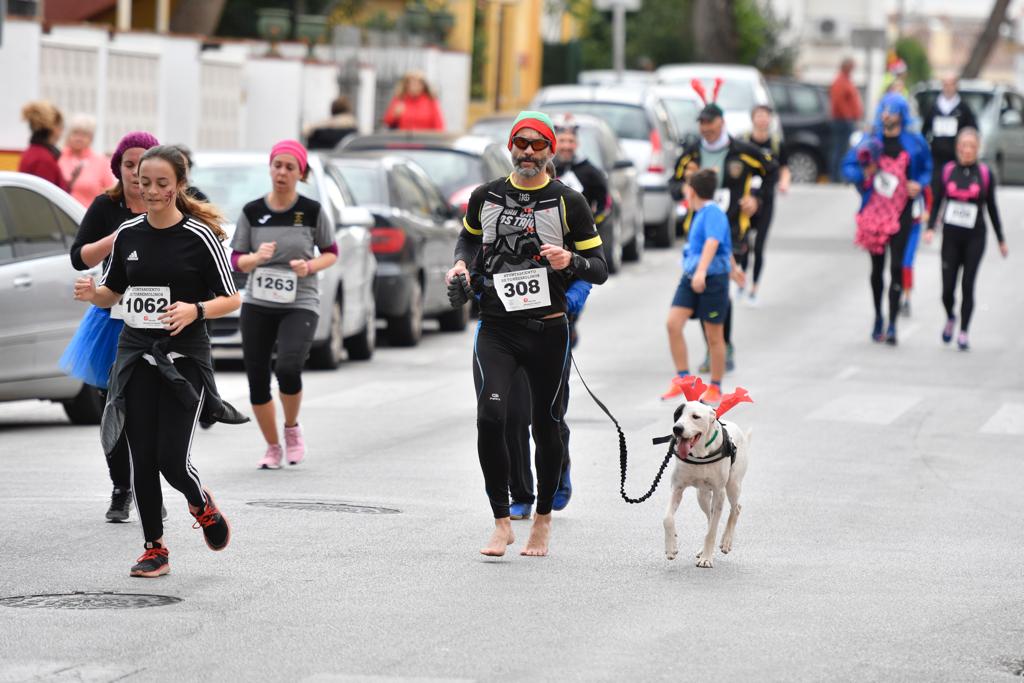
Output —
<point x="153" y="563"/>
<point x="216" y="530"/>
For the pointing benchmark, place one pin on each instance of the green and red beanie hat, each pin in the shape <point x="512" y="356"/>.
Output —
<point x="537" y="120"/>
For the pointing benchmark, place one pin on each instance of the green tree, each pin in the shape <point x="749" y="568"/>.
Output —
<point x="911" y="51"/>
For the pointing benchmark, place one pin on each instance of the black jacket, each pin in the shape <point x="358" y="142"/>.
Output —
<point x="130" y="348"/>
<point x="944" y="148"/>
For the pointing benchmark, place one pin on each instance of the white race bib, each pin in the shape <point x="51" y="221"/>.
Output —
<point x="944" y="127"/>
<point x="523" y="289"/>
<point x="142" y="305"/>
<point x="723" y="198"/>
<point x="277" y="286"/>
<point x="886" y="183"/>
<point x="961" y="214"/>
<point x="117" y="311"/>
<point x="569" y="179"/>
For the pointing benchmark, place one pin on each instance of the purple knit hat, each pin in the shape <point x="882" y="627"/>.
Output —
<point x="138" y="138"/>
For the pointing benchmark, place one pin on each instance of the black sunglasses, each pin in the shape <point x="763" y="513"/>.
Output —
<point x="537" y="145"/>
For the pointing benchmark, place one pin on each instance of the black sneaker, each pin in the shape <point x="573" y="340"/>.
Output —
<point x="216" y="530"/>
<point x="153" y="563"/>
<point x="120" y="504"/>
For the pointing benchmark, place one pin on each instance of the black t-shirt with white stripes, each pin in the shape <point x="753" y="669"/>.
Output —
<point x="186" y="257"/>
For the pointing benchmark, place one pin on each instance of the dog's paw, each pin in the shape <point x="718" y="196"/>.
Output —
<point x="705" y="563"/>
<point x="671" y="554"/>
<point x="726" y="546"/>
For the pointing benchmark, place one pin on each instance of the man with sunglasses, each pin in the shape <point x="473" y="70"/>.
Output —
<point x="524" y="239"/>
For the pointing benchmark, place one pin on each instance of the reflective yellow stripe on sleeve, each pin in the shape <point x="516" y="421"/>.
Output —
<point x="470" y="228"/>
<point x="752" y="162"/>
<point x="594" y="241"/>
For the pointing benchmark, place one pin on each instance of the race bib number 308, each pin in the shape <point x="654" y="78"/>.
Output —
<point x="523" y="289"/>
<point x="277" y="286"/>
<point x="143" y="305"/>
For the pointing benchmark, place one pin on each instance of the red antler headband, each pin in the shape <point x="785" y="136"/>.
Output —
<point x="693" y="387"/>
<point x="730" y="400"/>
<point x="698" y="88"/>
<point x="718" y="86"/>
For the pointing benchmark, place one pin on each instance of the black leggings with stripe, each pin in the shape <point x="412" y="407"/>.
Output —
<point x="158" y="432"/>
<point x="502" y="347"/>
<point x="962" y="250"/>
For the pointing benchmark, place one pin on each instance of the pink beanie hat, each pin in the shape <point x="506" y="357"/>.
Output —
<point x="293" y="147"/>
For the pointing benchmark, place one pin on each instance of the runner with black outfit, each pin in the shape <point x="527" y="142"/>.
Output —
<point x="524" y="239"/>
<point x="942" y="123"/>
<point x="164" y="266"/>
<point x="274" y="242"/>
<point x="779" y="178"/>
<point x="966" y="186"/>
<point x="92" y="351"/>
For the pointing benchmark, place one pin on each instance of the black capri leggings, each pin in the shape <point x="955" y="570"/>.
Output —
<point x="502" y="347"/>
<point x="896" y="246"/>
<point x="962" y="249"/>
<point x="158" y="433"/>
<point x="292" y="330"/>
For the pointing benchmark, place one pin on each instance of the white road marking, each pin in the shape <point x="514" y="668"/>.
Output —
<point x="1009" y="419"/>
<point x="848" y="372"/>
<point x="876" y="409"/>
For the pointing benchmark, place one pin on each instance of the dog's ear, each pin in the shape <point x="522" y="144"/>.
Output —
<point x="679" y="412"/>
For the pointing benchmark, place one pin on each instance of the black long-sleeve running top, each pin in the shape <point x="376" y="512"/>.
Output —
<point x="103" y="217"/>
<point x="503" y="231"/>
<point x="962" y="188"/>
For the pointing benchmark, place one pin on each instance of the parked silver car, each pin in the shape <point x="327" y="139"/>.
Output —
<point x="347" y="310"/>
<point x="38" y="222"/>
<point x="999" y="110"/>
<point x="646" y="132"/>
<point x="623" y="233"/>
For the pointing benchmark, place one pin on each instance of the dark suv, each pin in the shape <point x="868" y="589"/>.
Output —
<point x="805" y="114"/>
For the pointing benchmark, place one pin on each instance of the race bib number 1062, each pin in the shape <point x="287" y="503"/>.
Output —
<point x="142" y="306"/>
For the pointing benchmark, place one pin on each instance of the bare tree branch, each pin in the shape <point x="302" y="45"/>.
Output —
<point x="987" y="41"/>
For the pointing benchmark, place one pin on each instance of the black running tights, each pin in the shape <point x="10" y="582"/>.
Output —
<point x="502" y="347"/>
<point x="158" y="432"/>
<point x="517" y="436"/>
<point x="962" y="249"/>
<point x="896" y="246"/>
<point x="762" y="221"/>
<point x="292" y="330"/>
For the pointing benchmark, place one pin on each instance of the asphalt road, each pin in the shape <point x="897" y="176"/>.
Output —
<point x="880" y="537"/>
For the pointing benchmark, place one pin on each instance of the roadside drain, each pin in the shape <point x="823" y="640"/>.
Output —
<point x="82" y="600"/>
<point x="324" y="506"/>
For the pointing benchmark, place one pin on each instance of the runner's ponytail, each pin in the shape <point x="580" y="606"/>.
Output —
<point x="204" y="212"/>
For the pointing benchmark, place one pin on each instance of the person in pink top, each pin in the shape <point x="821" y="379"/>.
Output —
<point x="415" y="106"/>
<point x="88" y="172"/>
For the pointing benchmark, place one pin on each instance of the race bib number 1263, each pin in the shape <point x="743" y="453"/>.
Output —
<point x="278" y="286"/>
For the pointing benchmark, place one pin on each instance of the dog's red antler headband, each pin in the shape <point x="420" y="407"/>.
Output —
<point x="730" y="400"/>
<point x="698" y="88"/>
<point x="693" y="388"/>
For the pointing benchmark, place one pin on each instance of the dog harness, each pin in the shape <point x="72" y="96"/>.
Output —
<point x="727" y="449"/>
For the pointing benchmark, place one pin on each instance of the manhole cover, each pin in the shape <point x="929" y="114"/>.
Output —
<point x="324" y="506"/>
<point x="89" y="601"/>
<point x="1015" y="666"/>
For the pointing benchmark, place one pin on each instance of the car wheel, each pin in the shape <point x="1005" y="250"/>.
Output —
<point x="406" y="330"/>
<point x="634" y="249"/>
<point x="454" y="320"/>
<point x="329" y="354"/>
<point x="361" y="346"/>
<point x="663" y="234"/>
<point x="804" y="166"/>
<point x="86" y="408"/>
<point x="613" y="248"/>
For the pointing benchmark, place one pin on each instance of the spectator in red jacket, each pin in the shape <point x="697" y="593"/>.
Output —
<point x="40" y="159"/>
<point x="414" y="106"/>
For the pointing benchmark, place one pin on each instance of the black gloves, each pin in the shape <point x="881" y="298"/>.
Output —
<point x="459" y="291"/>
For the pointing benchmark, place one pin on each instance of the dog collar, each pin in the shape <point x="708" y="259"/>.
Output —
<point x="727" y="449"/>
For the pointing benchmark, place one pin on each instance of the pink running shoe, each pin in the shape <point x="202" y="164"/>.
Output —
<point x="272" y="459"/>
<point x="294" y="444"/>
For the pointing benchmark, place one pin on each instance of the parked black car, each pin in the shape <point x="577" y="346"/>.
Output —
<point x="805" y="113"/>
<point x="457" y="163"/>
<point x="413" y="240"/>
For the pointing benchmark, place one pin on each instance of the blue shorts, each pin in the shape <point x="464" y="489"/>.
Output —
<point x="712" y="304"/>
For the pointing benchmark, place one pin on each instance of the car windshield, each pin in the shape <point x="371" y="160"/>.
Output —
<point x="449" y="169"/>
<point x="366" y="183"/>
<point x="496" y="129"/>
<point x="628" y="121"/>
<point x="231" y="186"/>
<point x="588" y="147"/>
<point x="735" y="95"/>
<point x="684" y="114"/>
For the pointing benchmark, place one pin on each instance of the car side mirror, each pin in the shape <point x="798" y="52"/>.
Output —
<point x="356" y="216"/>
<point x="623" y="163"/>
<point x="1011" y="118"/>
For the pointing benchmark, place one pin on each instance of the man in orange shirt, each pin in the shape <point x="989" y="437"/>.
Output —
<point x="847" y="112"/>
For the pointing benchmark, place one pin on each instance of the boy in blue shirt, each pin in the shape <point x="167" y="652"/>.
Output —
<point x="703" y="291"/>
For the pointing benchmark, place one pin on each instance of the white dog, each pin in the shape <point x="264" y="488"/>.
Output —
<point x="711" y="456"/>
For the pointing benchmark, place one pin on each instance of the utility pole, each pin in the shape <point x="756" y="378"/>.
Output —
<point x="618" y="9"/>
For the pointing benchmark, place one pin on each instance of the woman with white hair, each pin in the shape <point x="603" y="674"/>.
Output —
<point x="88" y="172"/>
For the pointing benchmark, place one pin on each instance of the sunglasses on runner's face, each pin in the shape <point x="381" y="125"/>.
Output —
<point x="523" y="143"/>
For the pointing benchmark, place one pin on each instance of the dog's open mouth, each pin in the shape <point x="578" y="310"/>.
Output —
<point x="684" y="445"/>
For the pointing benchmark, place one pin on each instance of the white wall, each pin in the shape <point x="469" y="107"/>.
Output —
<point x="273" y="101"/>
<point x="19" y="80"/>
<point x="319" y="88"/>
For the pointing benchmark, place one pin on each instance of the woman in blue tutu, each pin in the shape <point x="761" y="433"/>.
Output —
<point x="91" y="352"/>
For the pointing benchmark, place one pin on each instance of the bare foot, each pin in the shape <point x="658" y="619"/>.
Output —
<point x="540" y="533"/>
<point x="500" y="539"/>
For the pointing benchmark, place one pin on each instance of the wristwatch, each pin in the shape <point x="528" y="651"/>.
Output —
<point x="200" y="310"/>
<point x="578" y="263"/>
